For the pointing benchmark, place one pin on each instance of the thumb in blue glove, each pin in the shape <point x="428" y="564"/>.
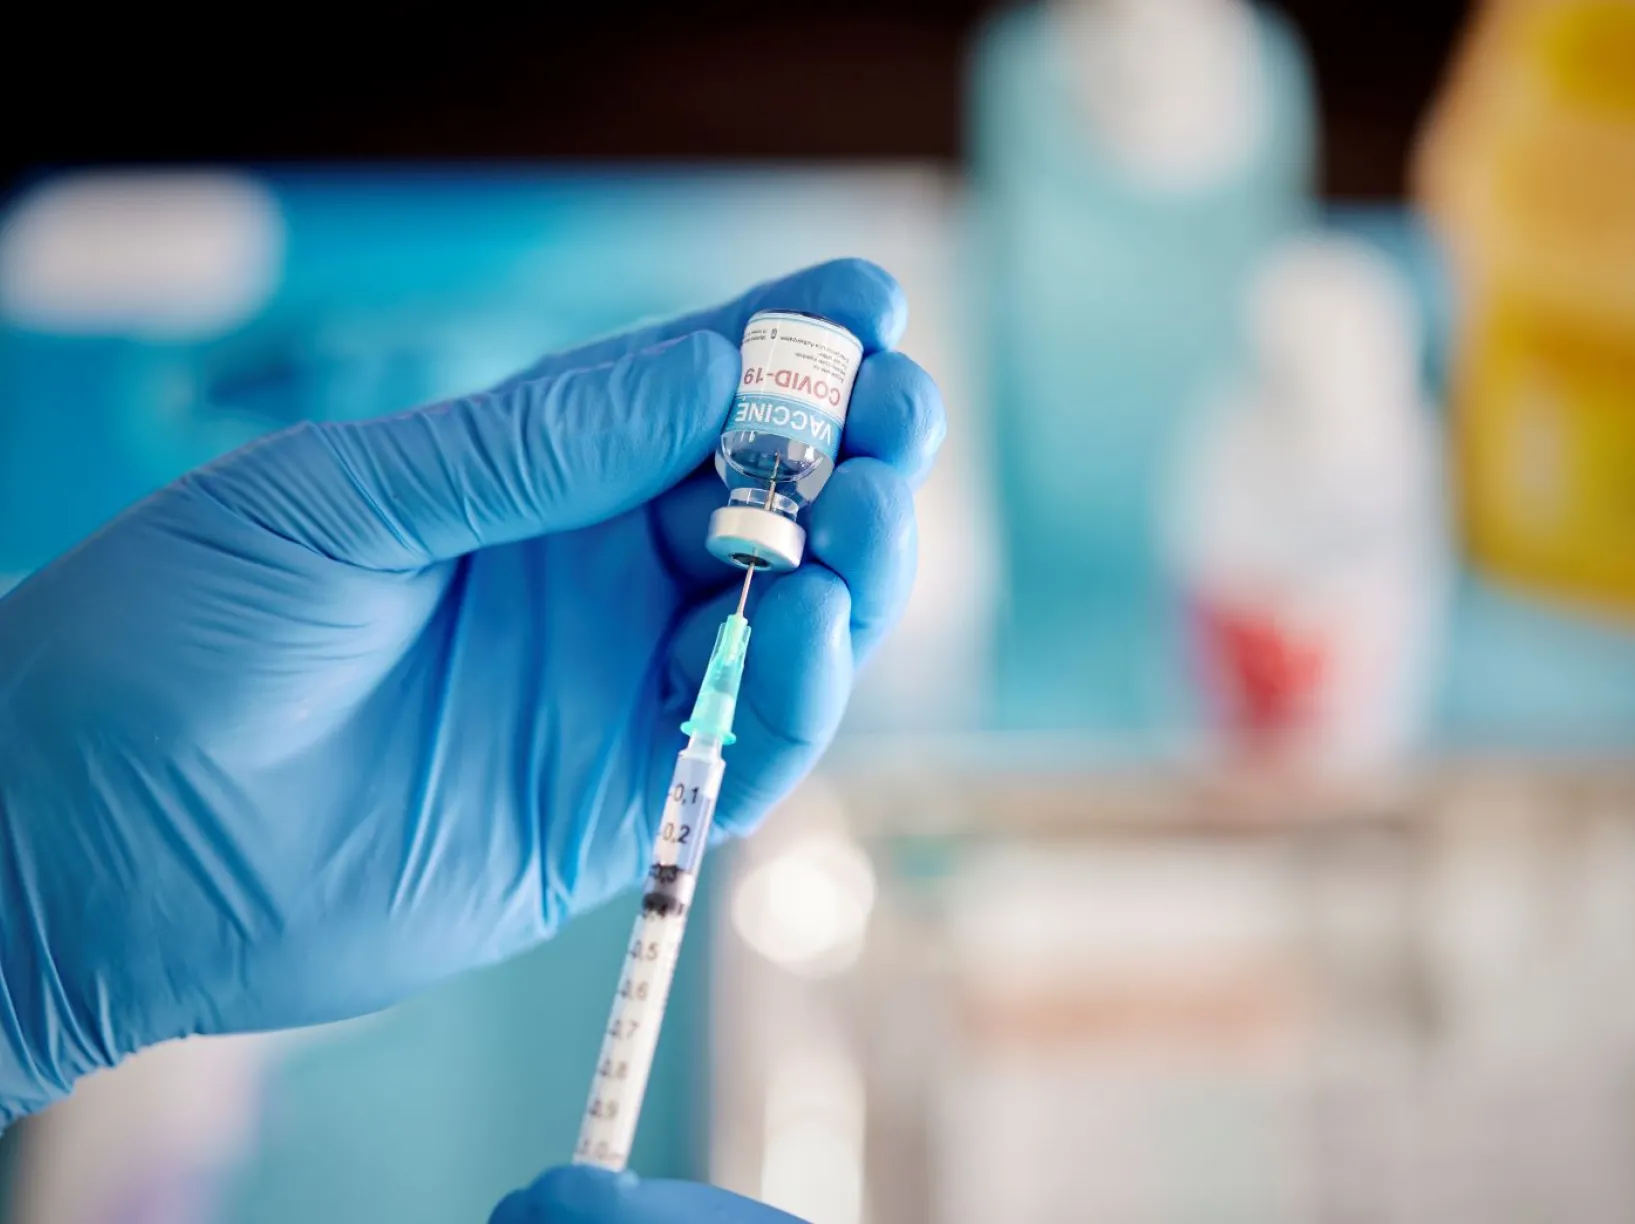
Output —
<point x="582" y="1195"/>
<point x="369" y="703"/>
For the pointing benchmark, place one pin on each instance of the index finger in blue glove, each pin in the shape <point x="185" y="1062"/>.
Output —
<point x="577" y="1194"/>
<point x="855" y="293"/>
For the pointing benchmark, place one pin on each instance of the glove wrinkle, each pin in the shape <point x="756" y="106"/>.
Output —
<point x="422" y="849"/>
<point x="381" y="514"/>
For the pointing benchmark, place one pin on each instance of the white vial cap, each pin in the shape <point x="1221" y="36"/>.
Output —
<point x="748" y="535"/>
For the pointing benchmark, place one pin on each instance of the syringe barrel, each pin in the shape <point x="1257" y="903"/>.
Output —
<point x="626" y="1058"/>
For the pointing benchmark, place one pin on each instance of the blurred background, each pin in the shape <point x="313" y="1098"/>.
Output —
<point x="1241" y="827"/>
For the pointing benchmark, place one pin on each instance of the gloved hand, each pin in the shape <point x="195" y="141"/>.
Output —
<point x="366" y="704"/>
<point x="582" y="1195"/>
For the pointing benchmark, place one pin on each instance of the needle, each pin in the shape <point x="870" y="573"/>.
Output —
<point x="749" y="570"/>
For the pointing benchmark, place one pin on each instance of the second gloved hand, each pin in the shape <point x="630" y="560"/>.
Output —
<point x="581" y="1195"/>
<point x="367" y="704"/>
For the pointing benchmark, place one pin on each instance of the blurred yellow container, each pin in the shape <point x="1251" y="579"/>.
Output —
<point x="1528" y="167"/>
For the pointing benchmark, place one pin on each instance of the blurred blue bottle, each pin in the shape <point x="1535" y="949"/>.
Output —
<point x="1133" y="159"/>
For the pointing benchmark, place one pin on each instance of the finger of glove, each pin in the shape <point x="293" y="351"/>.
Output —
<point x="680" y="519"/>
<point x="896" y="416"/>
<point x="580" y="1194"/>
<point x="863" y="528"/>
<point x="797" y="678"/>
<point x="859" y="295"/>
<point x="547" y="455"/>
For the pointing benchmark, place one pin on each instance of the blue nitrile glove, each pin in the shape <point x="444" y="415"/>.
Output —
<point x="583" y="1195"/>
<point x="369" y="703"/>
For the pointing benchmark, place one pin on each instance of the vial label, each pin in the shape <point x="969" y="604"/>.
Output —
<point x="797" y="379"/>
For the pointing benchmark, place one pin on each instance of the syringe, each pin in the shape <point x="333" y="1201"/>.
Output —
<point x="626" y="1058"/>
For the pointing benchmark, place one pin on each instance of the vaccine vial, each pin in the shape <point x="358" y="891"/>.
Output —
<point x="782" y="435"/>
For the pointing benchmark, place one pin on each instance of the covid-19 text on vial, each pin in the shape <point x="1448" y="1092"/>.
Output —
<point x="795" y="382"/>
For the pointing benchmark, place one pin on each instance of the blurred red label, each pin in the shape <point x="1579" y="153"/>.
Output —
<point x="1266" y="675"/>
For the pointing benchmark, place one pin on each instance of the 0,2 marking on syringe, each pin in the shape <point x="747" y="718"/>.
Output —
<point x="688" y="807"/>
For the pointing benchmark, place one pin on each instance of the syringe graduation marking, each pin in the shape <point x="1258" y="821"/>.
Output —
<point x="626" y="1058"/>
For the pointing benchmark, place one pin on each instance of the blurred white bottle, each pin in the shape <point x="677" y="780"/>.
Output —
<point x="1132" y="162"/>
<point x="1307" y="522"/>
